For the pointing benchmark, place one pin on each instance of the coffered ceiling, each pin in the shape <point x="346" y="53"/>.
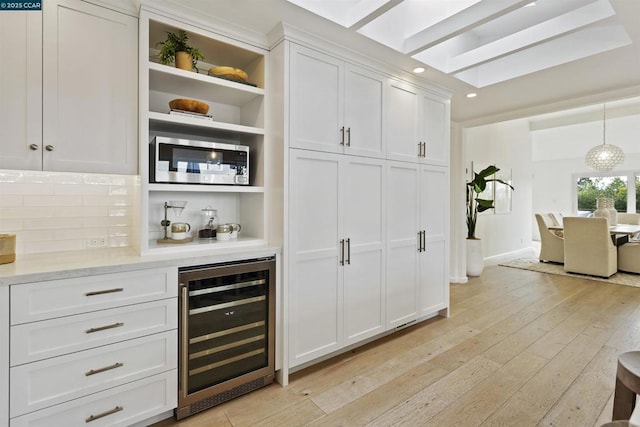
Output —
<point x="520" y="58"/>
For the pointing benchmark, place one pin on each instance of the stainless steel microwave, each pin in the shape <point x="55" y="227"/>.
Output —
<point x="187" y="161"/>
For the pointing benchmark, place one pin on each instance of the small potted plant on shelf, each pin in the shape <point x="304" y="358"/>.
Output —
<point x="176" y="49"/>
<point x="475" y="204"/>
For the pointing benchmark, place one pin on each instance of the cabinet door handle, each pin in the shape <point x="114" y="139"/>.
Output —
<point x="341" y="251"/>
<point x="48" y="147"/>
<point x="419" y="149"/>
<point x="424" y="149"/>
<point x="424" y="241"/>
<point x="342" y="135"/>
<point x="104" y="414"/>
<point x="349" y="251"/>
<point x="106" y="368"/>
<point x="348" y="137"/>
<point x="104" y="328"/>
<point x="106" y="291"/>
<point x="33" y="147"/>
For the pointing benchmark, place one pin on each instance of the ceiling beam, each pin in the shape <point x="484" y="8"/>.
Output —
<point x="370" y="16"/>
<point x="457" y="24"/>
<point x="552" y="28"/>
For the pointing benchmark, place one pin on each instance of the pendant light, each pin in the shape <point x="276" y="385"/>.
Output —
<point x="605" y="157"/>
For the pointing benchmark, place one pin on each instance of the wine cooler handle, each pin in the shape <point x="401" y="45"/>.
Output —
<point x="184" y="340"/>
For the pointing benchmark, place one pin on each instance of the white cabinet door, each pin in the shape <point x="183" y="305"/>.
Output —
<point x="362" y="204"/>
<point x="316" y="89"/>
<point x="434" y="213"/>
<point x="363" y="112"/>
<point x="21" y="90"/>
<point x="90" y="88"/>
<point x="315" y="279"/>
<point x="403" y="141"/>
<point x="402" y="243"/>
<point x="434" y="130"/>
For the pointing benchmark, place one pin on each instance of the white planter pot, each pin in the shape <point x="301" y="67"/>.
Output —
<point x="475" y="262"/>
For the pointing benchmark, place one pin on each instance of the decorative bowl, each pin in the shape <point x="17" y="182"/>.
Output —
<point x="190" y="105"/>
<point x="229" y="73"/>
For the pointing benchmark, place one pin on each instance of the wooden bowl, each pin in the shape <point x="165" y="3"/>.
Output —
<point x="190" y="105"/>
<point x="229" y="73"/>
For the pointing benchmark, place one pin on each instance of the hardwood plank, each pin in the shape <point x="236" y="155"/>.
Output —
<point x="472" y="408"/>
<point x="431" y="400"/>
<point x="588" y="394"/>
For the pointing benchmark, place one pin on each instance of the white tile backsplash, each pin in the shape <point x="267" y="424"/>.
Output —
<point x="56" y="211"/>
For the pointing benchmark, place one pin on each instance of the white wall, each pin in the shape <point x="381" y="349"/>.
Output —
<point x="507" y="145"/>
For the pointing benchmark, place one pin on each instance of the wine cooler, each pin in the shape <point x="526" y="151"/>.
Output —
<point x="226" y="333"/>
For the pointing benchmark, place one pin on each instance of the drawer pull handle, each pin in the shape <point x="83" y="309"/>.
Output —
<point x="104" y="328"/>
<point x="106" y="368"/>
<point x="104" y="414"/>
<point x="106" y="291"/>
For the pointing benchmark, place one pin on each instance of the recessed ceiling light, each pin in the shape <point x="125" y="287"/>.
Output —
<point x="472" y="95"/>
<point x="418" y="70"/>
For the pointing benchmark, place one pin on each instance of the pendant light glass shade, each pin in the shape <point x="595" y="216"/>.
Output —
<point x="605" y="157"/>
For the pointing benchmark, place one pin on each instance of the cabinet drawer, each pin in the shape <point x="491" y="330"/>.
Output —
<point x="49" y="338"/>
<point x="46" y="300"/>
<point x="49" y="382"/>
<point x="138" y="400"/>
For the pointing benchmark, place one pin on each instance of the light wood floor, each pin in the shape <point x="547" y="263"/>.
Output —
<point x="520" y="349"/>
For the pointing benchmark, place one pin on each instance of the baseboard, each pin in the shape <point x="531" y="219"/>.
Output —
<point x="508" y="256"/>
<point x="463" y="279"/>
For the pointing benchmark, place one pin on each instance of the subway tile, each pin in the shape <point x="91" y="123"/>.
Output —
<point x="119" y="191"/>
<point x="80" y="190"/>
<point x="107" y="200"/>
<point x="9" y="176"/>
<point x="53" y="246"/>
<point x="119" y="212"/>
<point x="52" y="201"/>
<point x="67" y="179"/>
<point x="69" y="234"/>
<point x="51" y="223"/>
<point x="36" y="235"/>
<point x="11" y="200"/>
<point x="116" y="242"/>
<point x="11" y="225"/>
<point x="120" y="231"/>
<point x="80" y="212"/>
<point x="25" y="212"/>
<point x="26" y="188"/>
<point x="96" y="179"/>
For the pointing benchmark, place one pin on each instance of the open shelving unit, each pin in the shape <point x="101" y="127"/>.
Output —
<point x="237" y="113"/>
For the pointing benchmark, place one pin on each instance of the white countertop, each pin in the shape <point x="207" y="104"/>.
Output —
<point x="60" y="265"/>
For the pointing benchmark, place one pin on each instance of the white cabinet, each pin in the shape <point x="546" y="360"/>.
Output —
<point x="79" y="337"/>
<point x="69" y="99"/>
<point x="336" y="243"/>
<point x="21" y="89"/>
<point x="434" y="223"/>
<point x="417" y="254"/>
<point x="418" y="125"/>
<point x="335" y="106"/>
<point x="237" y="111"/>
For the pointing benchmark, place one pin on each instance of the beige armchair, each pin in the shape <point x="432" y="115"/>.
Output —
<point x="629" y="257"/>
<point x="588" y="248"/>
<point x="551" y="244"/>
<point x="629" y="218"/>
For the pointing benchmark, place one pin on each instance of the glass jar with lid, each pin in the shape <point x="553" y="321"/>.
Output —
<point x="209" y="223"/>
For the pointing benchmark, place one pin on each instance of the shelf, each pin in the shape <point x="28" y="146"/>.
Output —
<point x="205" y="244"/>
<point x="189" y="84"/>
<point x="206" y="188"/>
<point x="167" y="122"/>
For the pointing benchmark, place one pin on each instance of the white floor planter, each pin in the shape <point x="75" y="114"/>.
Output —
<point x="475" y="261"/>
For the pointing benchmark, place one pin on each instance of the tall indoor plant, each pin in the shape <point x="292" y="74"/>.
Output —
<point x="475" y="204"/>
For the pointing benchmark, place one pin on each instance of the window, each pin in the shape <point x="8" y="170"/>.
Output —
<point x="623" y="189"/>
<point x="592" y="188"/>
